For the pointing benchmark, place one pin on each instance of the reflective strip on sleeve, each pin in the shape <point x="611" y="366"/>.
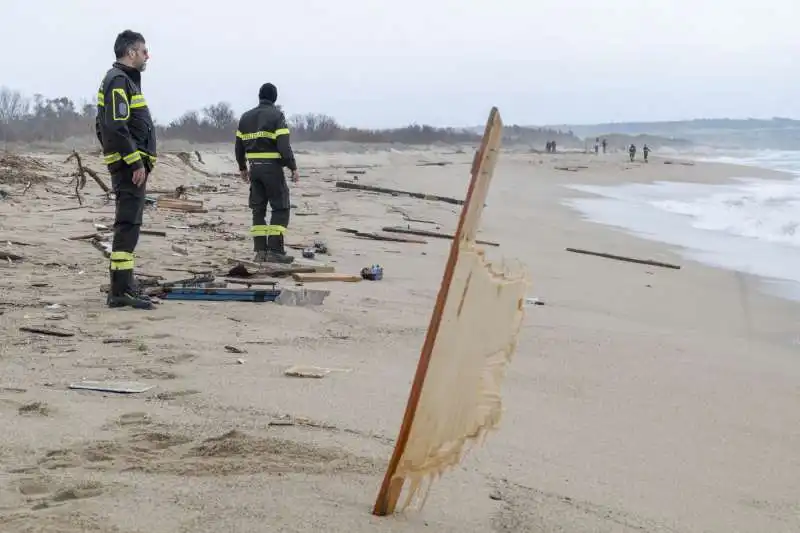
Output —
<point x="109" y="159"/>
<point x="122" y="261"/>
<point x="101" y="99"/>
<point x="263" y="155"/>
<point x="281" y="131"/>
<point x="138" y="101"/>
<point x="112" y="158"/>
<point x="132" y="157"/>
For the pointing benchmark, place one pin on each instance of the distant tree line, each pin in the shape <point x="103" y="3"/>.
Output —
<point x="41" y="119"/>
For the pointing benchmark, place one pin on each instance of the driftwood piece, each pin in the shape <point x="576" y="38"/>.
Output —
<point x="54" y="332"/>
<point x="83" y="170"/>
<point x="427" y="233"/>
<point x="188" y="206"/>
<point x="8" y="256"/>
<point x="455" y="396"/>
<point x="624" y="258"/>
<point x="324" y="276"/>
<point x="397" y="192"/>
<point x="379" y="236"/>
<point x="153" y="232"/>
<point x="84" y="237"/>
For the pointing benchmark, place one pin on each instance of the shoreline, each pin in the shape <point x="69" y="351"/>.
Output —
<point x="586" y="203"/>
<point x="639" y="398"/>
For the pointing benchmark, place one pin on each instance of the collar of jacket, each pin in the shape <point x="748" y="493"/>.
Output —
<point x="134" y="74"/>
<point x="264" y="101"/>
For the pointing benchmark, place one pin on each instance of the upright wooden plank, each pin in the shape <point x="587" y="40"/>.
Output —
<point x="482" y="171"/>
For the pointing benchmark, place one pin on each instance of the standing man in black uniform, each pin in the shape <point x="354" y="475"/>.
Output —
<point x="262" y="140"/>
<point x="127" y="134"/>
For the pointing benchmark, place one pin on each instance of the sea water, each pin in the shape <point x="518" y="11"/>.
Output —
<point x="750" y="226"/>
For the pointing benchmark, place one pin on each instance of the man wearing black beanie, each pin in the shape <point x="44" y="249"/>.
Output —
<point x="262" y="141"/>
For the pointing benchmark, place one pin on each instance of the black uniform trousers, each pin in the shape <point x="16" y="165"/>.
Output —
<point x="268" y="187"/>
<point x="130" y="201"/>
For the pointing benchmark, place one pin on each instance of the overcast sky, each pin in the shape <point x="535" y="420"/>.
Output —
<point x="443" y="62"/>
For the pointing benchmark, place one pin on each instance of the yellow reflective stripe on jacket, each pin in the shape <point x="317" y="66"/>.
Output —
<point x="263" y="155"/>
<point x="133" y="157"/>
<point x="112" y="158"/>
<point x="138" y="101"/>
<point x="109" y="159"/>
<point x="262" y="134"/>
<point x="266" y="231"/>
<point x="122" y="261"/>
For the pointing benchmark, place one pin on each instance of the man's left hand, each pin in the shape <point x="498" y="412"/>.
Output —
<point x="295" y="176"/>
<point x="245" y="175"/>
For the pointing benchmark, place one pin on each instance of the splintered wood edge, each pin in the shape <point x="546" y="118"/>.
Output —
<point x="482" y="171"/>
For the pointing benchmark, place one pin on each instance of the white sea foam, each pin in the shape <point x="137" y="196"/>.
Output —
<point x="752" y="225"/>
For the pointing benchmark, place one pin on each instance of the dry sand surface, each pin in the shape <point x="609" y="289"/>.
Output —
<point x="640" y="398"/>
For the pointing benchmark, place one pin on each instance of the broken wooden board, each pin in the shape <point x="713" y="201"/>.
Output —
<point x="324" y="276"/>
<point x="428" y="233"/>
<point x="397" y="192"/>
<point x="45" y="330"/>
<point x="188" y="206"/>
<point x="8" y="256"/>
<point x="624" y="258"/>
<point x="455" y="398"/>
<point x="380" y="236"/>
<point x="121" y="387"/>
<point x="279" y="270"/>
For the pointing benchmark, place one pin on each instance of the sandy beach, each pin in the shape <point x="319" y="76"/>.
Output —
<point x="641" y="399"/>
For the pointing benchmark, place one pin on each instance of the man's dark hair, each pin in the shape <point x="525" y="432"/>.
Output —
<point x="125" y="41"/>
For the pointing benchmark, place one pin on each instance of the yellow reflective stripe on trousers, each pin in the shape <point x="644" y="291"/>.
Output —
<point x="112" y="158"/>
<point x="267" y="231"/>
<point x="121" y="261"/>
<point x="263" y="155"/>
<point x="262" y="134"/>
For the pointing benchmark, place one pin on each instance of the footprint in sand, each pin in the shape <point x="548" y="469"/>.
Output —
<point x="154" y="373"/>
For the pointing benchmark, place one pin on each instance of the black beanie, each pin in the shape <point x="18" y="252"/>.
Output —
<point x="268" y="92"/>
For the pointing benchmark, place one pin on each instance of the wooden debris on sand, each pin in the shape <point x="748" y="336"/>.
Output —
<point x="188" y="206"/>
<point x="380" y="236"/>
<point x="428" y="233"/>
<point x="324" y="276"/>
<point x="82" y="171"/>
<point x="624" y="258"/>
<point x="397" y="192"/>
<point x="8" y="256"/>
<point x="43" y="330"/>
<point x="455" y="398"/>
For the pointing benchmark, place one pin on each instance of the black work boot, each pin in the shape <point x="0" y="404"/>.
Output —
<point x="120" y="294"/>
<point x="276" y="253"/>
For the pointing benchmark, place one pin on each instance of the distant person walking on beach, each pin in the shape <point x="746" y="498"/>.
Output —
<point x="632" y="152"/>
<point x="645" y="152"/>
<point x="597" y="146"/>
<point x="605" y="145"/>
